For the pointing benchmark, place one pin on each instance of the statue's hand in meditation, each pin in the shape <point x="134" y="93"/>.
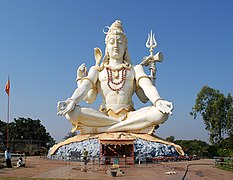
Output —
<point x="64" y="107"/>
<point x="164" y="106"/>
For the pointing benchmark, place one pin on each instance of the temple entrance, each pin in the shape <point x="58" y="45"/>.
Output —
<point x="117" y="152"/>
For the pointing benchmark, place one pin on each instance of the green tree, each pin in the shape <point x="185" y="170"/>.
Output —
<point x="27" y="130"/>
<point x="229" y="121"/>
<point x="226" y="143"/>
<point x="216" y="111"/>
<point x="225" y="147"/>
<point x="2" y="131"/>
<point x="170" y="139"/>
<point x="70" y="134"/>
<point x="197" y="147"/>
<point x="2" y="136"/>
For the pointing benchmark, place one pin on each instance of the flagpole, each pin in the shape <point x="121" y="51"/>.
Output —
<point x="7" y="89"/>
<point x="8" y="117"/>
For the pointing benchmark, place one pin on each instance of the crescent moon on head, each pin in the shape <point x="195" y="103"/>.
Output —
<point x="106" y="29"/>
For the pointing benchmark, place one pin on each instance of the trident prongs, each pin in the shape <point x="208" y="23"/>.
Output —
<point x="151" y="43"/>
<point x="152" y="59"/>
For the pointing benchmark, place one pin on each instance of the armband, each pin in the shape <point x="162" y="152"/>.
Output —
<point x="78" y="79"/>
<point x="137" y="82"/>
<point x="157" y="100"/>
<point x="88" y="80"/>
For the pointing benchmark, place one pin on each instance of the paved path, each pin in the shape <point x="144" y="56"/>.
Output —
<point x="42" y="168"/>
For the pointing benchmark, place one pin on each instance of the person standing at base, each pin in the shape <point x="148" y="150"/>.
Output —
<point x="85" y="154"/>
<point x="8" y="158"/>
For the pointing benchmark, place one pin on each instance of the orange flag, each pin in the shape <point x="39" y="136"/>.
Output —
<point x="7" y="89"/>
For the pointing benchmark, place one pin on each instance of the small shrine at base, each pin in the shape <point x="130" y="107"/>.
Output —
<point x="123" y="149"/>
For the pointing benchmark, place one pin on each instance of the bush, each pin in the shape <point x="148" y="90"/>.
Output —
<point x="225" y="152"/>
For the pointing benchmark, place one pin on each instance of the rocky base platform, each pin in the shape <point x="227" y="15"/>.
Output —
<point x="141" y="147"/>
<point x="144" y="144"/>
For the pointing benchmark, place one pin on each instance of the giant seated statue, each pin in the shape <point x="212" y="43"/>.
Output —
<point x="116" y="80"/>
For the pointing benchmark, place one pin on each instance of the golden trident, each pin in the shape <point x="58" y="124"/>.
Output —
<point x="152" y="59"/>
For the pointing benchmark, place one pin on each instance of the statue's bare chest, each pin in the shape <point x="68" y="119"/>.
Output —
<point x="116" y="80"/>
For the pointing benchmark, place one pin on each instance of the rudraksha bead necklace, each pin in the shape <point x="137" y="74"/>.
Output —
<point x="121" y="82"/>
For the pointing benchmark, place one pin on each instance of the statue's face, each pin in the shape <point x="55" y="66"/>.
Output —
<point x="116" y="46"/>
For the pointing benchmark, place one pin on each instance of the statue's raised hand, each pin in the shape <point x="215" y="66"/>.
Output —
<point x="164" y="106"/>
<point x="81" y="71"/>
<point x="64" y="107"/>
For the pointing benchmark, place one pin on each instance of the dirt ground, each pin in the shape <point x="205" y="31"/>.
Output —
<point x="37" y="167"/>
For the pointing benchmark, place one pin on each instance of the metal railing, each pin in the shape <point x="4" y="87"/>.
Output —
<point x="122" y="161"/>
<point x="220" y="161"/>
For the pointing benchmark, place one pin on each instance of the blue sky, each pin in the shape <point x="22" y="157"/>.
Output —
<point x="43" y="42"/>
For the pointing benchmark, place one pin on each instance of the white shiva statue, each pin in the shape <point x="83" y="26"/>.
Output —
<point x="116" y="80"/>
